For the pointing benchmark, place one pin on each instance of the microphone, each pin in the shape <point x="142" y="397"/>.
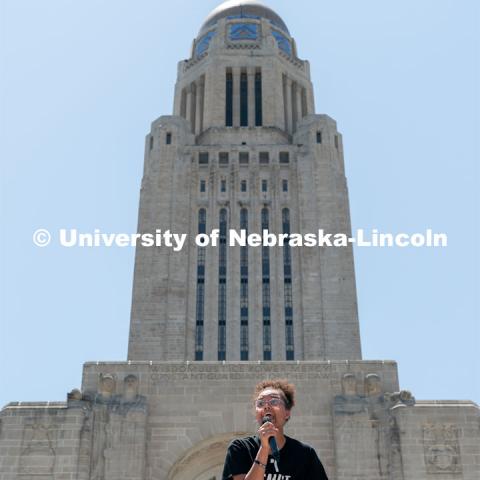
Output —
<point x="272" y="441"/>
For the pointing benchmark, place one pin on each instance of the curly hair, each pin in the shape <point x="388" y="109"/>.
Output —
<point x="288" y="390"/>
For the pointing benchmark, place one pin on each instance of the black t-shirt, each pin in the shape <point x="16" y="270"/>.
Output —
<point x="297" y="461"/>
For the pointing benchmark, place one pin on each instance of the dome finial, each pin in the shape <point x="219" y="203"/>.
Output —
<point x="243" y="9"/>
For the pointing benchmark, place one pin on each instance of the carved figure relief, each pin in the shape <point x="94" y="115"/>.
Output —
<point x="100" y="420"/>
<point x="38" y="453"/>
<point x="365" y="427"/>
<point x="373" y="385"/>
<point x="130" y="400"/>
<point x="442" y="449"/>
<point x="357" y="434"/>
<point x="119" y="431"/>
<point x="349" y="385"/>
<point x="106" y="388"/>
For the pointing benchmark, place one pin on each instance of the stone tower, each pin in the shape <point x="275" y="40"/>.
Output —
<point x="244" y="150"/>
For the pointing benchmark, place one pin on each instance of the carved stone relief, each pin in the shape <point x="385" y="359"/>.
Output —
<point x="119" y="430"/>
<point x="442" y="449"/>
<point x="349" y="384"/>
<point x="38" y="450"/>
<point x="373" y="385"/>
<point x="365" y="427"/>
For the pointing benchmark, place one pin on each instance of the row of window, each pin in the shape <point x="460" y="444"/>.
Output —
<point x="223" y="157"/>
<point x="243" y="158"/>
<point x="243" y="186"/>
<point x="244" y="282"/>
<point x="244" y="93"/>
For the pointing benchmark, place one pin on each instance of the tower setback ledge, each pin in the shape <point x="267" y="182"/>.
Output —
<point x="243" y="136"/>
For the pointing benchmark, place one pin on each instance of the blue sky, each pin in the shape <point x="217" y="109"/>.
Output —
<point x="82" y="81"/>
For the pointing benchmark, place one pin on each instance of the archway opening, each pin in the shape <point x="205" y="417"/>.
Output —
<point x="205" y="460"/>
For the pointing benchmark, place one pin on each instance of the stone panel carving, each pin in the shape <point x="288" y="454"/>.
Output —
<point x="365" y="427"/>
<point x="162" y="374"/>
<point x="85" y="441"/>
<point x="359" y="429"/>
<point x="442" y="450"/>
<point x="357" y="435"/>
<point x="38" y="451"/>
<point x="119" y="431"/>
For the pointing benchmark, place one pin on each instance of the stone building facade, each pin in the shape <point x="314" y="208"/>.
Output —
<point x="243" y="150"/>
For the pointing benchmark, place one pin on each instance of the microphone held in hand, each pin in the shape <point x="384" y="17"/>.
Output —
<point x="272" y="441"/>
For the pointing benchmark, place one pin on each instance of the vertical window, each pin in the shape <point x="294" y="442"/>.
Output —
<point x="287" y="287"/>
<point x="229" y="100"/>
<point x="203" y="158"/>
<point x="203" y="186"/>
<point x="284" y="157"/>
<point x="243" y="158"/>
<point x="243" y="186"/>
<point x="243" y="100"/>
<point x="168" y="138"/>
<point x="319" y="137"/>
<point x="258" y="100"/>
<point x="286" y="117"/>
<point x="200" y="300"/>
<point x="151" y="142"/>
<point x="223" y="186"/>
<point x="244" y="289"/>
<point x="336" y="142"/>
<point x="264" y="158"/>
<point x="267" y="334"/>
<point x="264" y="186"/>
<point x="285" y="185"/>
<point x="223" y="159"/>
<point x="222" y="287"/>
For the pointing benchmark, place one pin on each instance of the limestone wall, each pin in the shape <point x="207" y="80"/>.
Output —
<point x="173" y="421"/>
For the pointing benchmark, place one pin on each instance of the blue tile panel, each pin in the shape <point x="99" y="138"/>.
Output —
<point x="203" y="43"/>
<point x="243" y="31"/>
<point x="283" y="42"/>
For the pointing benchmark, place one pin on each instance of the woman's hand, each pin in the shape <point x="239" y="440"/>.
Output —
<point x="266" y="431"/>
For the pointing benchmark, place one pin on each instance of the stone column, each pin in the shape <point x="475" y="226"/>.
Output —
<point x="288" y="103"/>
<point x="298" y="97"/>
<point x="200" y="85"/>
<point x="251" y="96"/>
<point x="305" y="110"/>
<point x="236" y="72"/>
<point x="190" y="106"/>
<point x="295" y="103"/>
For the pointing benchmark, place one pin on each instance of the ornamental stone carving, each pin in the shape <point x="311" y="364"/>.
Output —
<point x="38" y="452"/>
<point x="119" y="430"/>
<point x="349" y="384"/>
<point x="442" y="449"/>
<point x="373" y="385"/>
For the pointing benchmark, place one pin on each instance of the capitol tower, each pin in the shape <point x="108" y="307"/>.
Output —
<point x="245" y="151"/>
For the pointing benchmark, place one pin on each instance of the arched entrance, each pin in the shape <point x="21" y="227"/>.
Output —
<point x="205" y="460"/>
